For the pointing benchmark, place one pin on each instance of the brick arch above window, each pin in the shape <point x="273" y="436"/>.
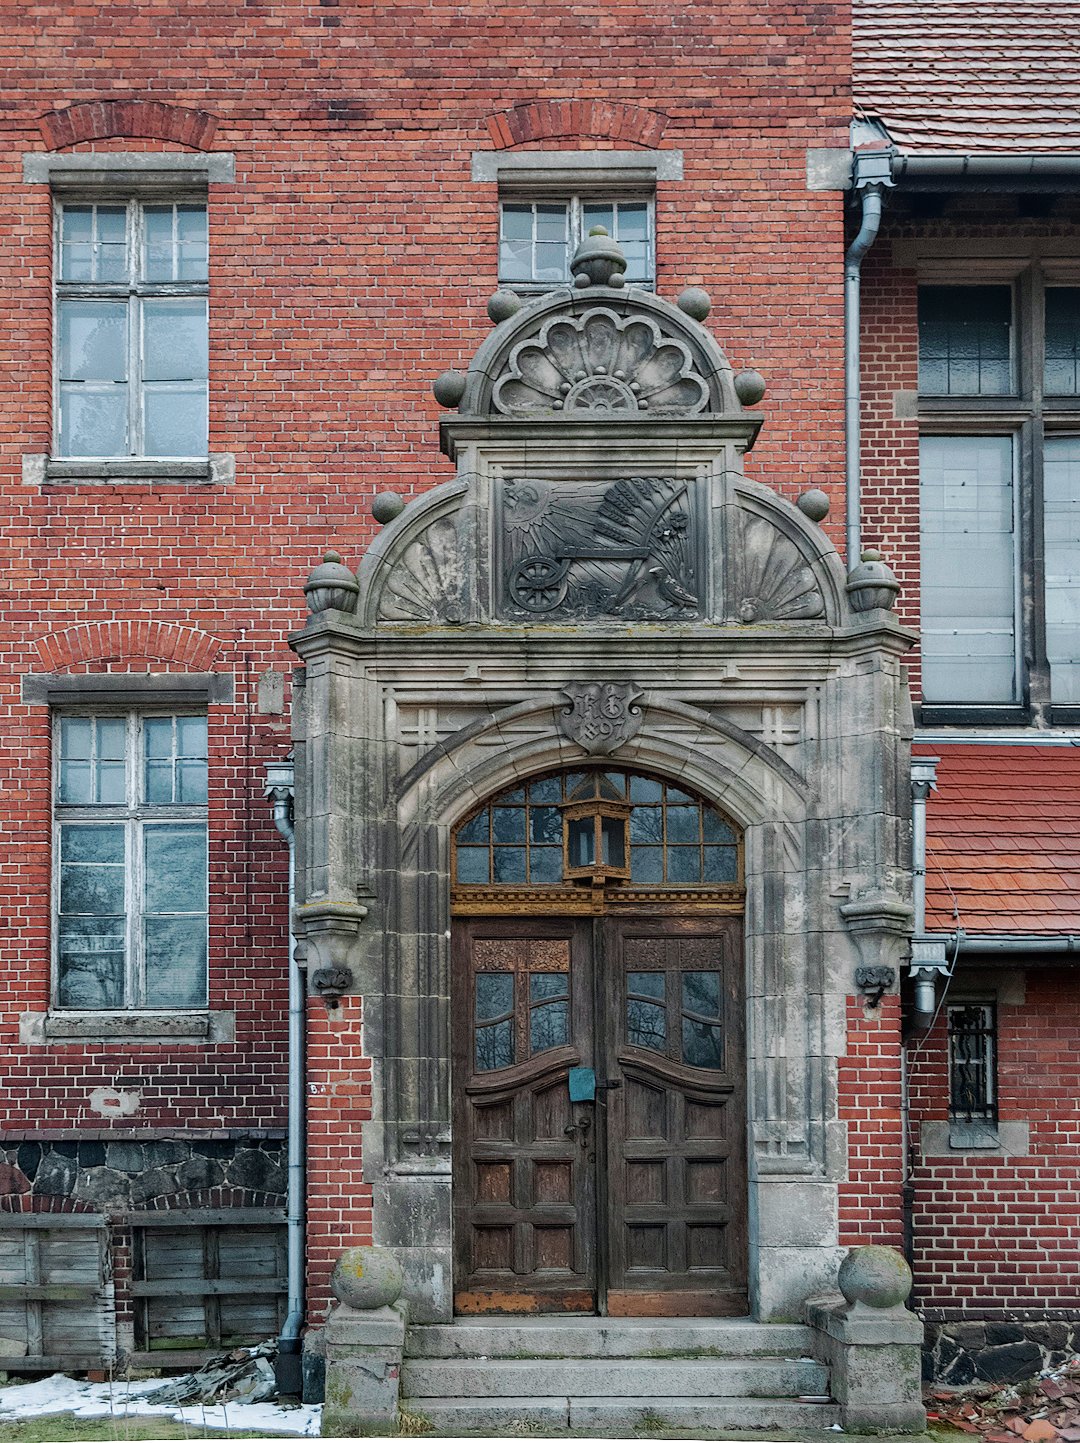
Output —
<point x="145" y="119"/>
<point x="183" y="647"/>
<point x="560" y="119"/>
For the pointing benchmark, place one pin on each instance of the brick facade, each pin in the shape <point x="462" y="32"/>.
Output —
<point x="350" y="262"/>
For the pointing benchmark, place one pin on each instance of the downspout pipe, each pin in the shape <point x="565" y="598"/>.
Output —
<point x="288" y="1369"/>
<point x="927" y="954"/>
<point x="871" y="173"/>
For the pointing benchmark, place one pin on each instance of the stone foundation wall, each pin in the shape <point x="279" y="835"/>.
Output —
<point x="997" y="1352"/>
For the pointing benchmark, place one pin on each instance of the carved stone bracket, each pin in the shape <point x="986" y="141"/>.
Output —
<point x="880" y="924"/>
<point x="601" y="715"/>
<point x="328" y="931"/>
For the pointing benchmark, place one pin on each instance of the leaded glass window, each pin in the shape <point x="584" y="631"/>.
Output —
<point x="131" y="330"/>
<point x="532" y="834"/>
<point x="131" y="861"/>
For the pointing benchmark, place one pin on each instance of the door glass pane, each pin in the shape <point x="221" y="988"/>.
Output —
<point x="476" y="831"/>
<point x="508" y="824"/>
<point x="1061" y="523"/>
<point x="494" y="1047"/>
<point x="494" y="994"/>
<point x="720" y="864"/>
<point x="683" y="824"/>
<point x="647" y="865"/>
<point x="646" y="1025"/>
<point x="545" y="825"/>
<point x="968" y="584"/>
<point x="701" y="993"/>
<point x="581" y="841"/>
<point x="547" y="984"/>
<point x="548" y="1026"/>
<point x="701" y="1044"/>
<point x="965" y="340"/>
<point x="684" y="864"/>
<point x="613" y="838"/>
<point x="646" y="825"/>
<point x="547" y="792"/>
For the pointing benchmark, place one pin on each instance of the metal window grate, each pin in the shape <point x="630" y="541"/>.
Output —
<point x="973" y="1062"/>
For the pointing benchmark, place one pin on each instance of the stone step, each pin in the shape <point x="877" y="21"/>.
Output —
<point x="583" y="1378"/>
<point x="591" y="1337"/>
<point x="616" y="1417"/>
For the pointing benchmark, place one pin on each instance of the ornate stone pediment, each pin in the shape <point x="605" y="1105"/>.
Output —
<point x="600" y="362"/>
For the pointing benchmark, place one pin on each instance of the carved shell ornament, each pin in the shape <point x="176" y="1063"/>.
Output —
<point x="778" y="584"/>
<point x="600" y="362"/>
<point x="426" y="582"/>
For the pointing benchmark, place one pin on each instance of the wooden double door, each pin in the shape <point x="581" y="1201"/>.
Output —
<point x="599" y="1116"/>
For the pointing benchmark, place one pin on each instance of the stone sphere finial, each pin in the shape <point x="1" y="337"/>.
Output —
<point x="874" y="1277"/>
<point x="695" y="303"/>
<point x="331" y="586"/>
<point x="367" y="1278"/>
<point x="449" y="388"/>
<point x="502" y="305"/>
<point x="749" y="387"/>
<point x="871" y="585"/>
<point x="386" y="506"/>
<point x="814" y="503"/>
<point x="598" y="261"/>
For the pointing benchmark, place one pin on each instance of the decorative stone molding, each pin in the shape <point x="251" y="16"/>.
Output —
<point x="600" y="361"/>
<point x="327" y="933"/>
<point x="601" y="715"/>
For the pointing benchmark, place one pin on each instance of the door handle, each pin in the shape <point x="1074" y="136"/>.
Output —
<point x="579" y="1128"/>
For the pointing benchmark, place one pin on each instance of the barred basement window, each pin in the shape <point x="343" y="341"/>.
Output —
<point x="973" y="1063"/>
<point x="131" y="329"/>
<point x="130" y="860"/>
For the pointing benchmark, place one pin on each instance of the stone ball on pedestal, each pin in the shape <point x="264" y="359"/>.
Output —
<point x="366" y="1278"/>
<point x="875" y="1276"/>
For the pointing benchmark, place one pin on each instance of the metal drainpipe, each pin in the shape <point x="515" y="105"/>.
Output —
<point x="871" y="174"/>
<point x="288" y="1369"/>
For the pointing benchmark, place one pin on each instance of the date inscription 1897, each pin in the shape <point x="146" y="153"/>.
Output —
<point x="624" y="549"/>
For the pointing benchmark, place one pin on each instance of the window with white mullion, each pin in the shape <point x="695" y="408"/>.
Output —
<point x="131" y="861"/>
<point x="131" y="330"/>
<point x="538" y="237"/>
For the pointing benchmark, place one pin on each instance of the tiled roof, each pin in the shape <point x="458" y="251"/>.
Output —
<point x="970" y="75"/>
<point x="1003" y="839"/>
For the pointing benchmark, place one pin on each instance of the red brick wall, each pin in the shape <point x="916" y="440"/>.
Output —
<point x="869" y="1100"/>
<point x="998" y="1234"/>
<point x="350" y="264"/>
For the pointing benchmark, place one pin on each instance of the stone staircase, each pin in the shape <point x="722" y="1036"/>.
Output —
<point x="540" y="1373"/>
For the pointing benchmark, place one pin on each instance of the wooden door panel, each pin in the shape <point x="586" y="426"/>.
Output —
<point x="675" y="1123"/>
<point x="524" y="1167"/>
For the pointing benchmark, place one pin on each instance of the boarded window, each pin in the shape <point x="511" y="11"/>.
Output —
<point x="968" y="569"/>
<point x="56" y="1300"/>
<point x="217" y="1285"/>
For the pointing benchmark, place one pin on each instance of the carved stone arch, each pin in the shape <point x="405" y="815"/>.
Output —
<point x="416" y="569"/>
<point x="782" y="566"/>
<point x="615" y="353"/>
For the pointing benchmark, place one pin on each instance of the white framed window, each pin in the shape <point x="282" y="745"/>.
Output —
<point x="131" y="342"/>
<point x="538" y="237"/>
<point x="130" y="860"/>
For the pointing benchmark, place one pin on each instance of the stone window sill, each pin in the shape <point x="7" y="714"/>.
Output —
<point x="973" y="1140"/>
<point x="218" y="469"/>
<point x="201" y="1027"/>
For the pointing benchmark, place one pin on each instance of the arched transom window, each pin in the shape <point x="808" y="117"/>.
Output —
<point x="597" y="826"/>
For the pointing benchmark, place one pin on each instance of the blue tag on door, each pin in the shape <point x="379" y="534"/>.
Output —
<point x="582" y="1082"/>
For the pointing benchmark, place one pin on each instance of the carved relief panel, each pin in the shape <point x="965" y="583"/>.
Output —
<point x="628" y="550"/>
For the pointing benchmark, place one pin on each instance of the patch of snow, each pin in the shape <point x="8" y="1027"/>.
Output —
<point x="61" y="1394"/>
